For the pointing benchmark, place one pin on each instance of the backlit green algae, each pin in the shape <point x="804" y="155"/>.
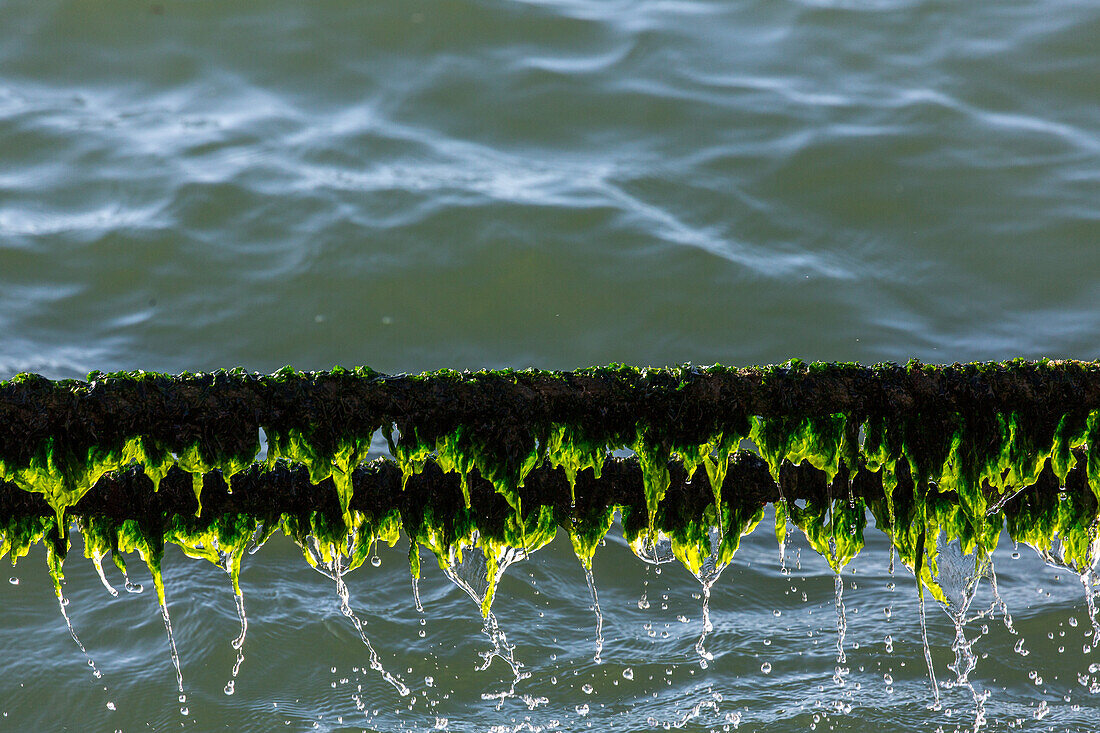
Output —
<point x="449" y="531"/>
<point x="570" y="449"/>
<point x="826" y="443"/>
<point x="19" y="534"/>
<point x="834" y="528"/>
<point x="223" y="540"/>
<point x="919" y="521"/>
<point x="63" y="475"/>
<point x="462" y="451"/>
<point x="148" y="542"/>
<point x="533" y="532"/>
<point x="714" y="456"/>
<point x="337" y="462"/>
<point x="409" y="453"/>
<point x="194" y="461"/>
<point x="1062" y="526"/>
<point x="690" y="533"/>
<point x="332" y="541"/>
<point x="587" y="526"/>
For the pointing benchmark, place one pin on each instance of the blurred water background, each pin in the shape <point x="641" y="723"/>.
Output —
<point x="413" y="184"/>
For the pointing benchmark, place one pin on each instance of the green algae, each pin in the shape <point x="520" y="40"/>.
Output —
<point x="570" y="449"/>
<point x="833" y="528"/>
<point x="336" y="461"/>
<point x="950" y="466"/>
<point x="19" y="534"/>
<point x="918" y="520"/>
<point x="63" y="477"/>
<point x="823" y="442"/>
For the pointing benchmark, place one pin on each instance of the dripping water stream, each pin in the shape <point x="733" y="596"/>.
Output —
<point x="335" y="571"/>
<point x="467" y="567"/>
<point x="596" y="610"/>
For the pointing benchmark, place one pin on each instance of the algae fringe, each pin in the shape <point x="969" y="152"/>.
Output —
<point x="503" y="459"/>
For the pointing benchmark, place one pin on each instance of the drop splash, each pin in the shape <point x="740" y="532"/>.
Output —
<point x="469" y="565"/>
<point x="54" y="561"/>
<point x="334" y="569"/>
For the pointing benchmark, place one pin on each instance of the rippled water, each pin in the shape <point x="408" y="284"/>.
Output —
<point x="416" y="184"/>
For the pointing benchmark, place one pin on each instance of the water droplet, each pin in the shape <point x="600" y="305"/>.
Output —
<point x="13" y="581"/>
<point x="229" y="687"/>
<point x="111" y="706"/>
<point x="587" y="689"/>
<point x="888" y="678"/>
<point x="766" y="667"/>
<point x="376" y="561"/>
<point x="628" y="674"/>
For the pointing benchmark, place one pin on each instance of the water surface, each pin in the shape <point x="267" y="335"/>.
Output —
<point x="414" y="184"/>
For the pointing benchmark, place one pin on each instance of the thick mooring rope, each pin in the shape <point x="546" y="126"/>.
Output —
<point x="508" y="457"/>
